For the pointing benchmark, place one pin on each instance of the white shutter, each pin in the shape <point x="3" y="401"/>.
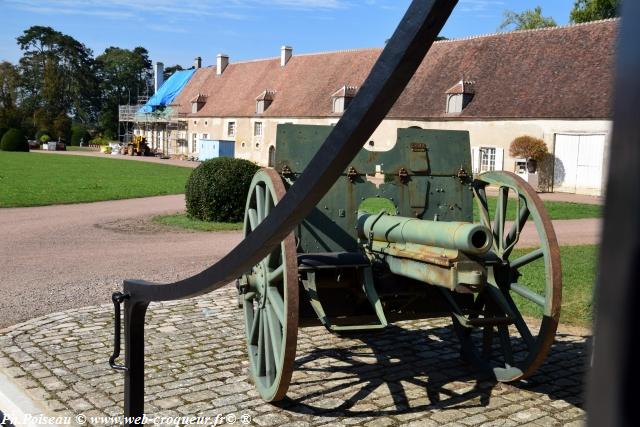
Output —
<point x="499" y="159"/>
<point x="475" y="159"/>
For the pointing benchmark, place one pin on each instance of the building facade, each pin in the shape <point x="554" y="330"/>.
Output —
<point x="555" y="84"/>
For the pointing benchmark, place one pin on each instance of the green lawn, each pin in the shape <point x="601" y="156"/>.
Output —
<point x="183" y="221"/>
<point x="557" y="210"/>
<point x="37" y="179"/>
<point x="578" y="276"/>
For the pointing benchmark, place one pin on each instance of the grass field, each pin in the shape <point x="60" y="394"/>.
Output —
<point x="37" y="179"/>
<point x="579" y="265"/>
<point x="557" y="210"/>
<point x="183" y="221"/>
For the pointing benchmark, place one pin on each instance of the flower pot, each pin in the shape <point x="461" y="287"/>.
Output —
<point x="532" y="165"/>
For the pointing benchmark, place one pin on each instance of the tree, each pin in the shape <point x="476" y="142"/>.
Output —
<point x="168" y="72"/>
<point x="124" y="74"/>
<point x="593" y="10"/>
<point x="10" y="115"/>
<point x="526" y="20"/>
<point x="57" y="74"/>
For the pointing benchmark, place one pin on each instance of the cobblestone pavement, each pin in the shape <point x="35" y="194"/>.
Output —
<point x="196" y="365"/>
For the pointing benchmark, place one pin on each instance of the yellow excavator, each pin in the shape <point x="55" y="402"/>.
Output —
<point x="138" y="147"/>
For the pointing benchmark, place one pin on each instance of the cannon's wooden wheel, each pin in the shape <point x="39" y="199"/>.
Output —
<point x="522" y="347"/>
<point x="270" y="294"/>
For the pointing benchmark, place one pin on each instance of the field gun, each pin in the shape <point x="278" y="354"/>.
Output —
<point x="302" y="262"/>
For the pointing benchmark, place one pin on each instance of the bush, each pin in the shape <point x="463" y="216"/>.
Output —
<point x="79" y="133"/>
<point x="44" y="138"/>
<point x="99" y="140"/>
<point x="217" y="189"/>
<point x="2" y="132"/>
<point x="528" y="147"/>
<point x="41" y="133"/>
<point x="14" y="140"/>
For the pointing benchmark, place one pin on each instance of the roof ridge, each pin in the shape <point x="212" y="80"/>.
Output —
<point x="534" y="30"/>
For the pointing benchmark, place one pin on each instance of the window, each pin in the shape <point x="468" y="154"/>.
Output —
<point x="205" y="136"/>
<point x="194" y="139"/>
<point x="257" y="129"/>
<point x="487" y="159"/>
<point x="206" y="123"/>
<point x="231" y="129"/>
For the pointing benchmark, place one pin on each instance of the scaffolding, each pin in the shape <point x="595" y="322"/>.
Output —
<point x="165" y="128"/>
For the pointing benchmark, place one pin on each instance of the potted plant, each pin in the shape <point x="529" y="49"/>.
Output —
<point x="530" y="148"/>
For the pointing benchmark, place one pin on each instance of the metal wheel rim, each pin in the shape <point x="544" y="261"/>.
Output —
<point x="271" y="309"/>
<point x="538" y="345"/>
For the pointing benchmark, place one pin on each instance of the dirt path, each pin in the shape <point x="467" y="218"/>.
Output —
<point x="66" y="256"/>
<point x="61" y="257"/>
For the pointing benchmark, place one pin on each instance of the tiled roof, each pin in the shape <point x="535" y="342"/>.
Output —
<point x="345" y="91"/>
<point x="462" y="87"/>
<point x="563" y="72"/>
<point x="266" y="95"/>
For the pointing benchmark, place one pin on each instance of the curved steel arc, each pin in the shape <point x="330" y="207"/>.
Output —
<point x="389" y="76"/>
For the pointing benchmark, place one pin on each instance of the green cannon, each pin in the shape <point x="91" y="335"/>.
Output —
<point x="446" y="245"/>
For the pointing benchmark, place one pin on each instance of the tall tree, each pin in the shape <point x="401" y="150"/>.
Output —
<point x="168" y="72"/>
<point x="57" y="74"/>
<point x="124" y="75"/>
<point x="593" y="10"/>
<point x="526" y="20"/>
<point x="9" y="92"/>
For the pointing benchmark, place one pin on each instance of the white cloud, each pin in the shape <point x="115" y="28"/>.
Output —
<point x="481" y="5"/>
<point x="119" y="9"/>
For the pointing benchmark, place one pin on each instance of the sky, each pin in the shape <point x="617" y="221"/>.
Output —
<point x="176" y="31"/>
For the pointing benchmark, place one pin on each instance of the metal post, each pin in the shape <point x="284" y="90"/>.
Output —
<point x="134" y="314"/>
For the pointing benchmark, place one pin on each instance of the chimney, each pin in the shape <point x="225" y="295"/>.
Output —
<point x="197" y="63"/>
<point x="158" y="77"/>
<point x="221" y="63"/>
<point x="285" y="55"/>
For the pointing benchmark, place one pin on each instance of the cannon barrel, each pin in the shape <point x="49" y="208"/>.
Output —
<point x="463" y="236"/>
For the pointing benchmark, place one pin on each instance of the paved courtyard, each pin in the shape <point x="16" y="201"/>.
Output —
<point x="196" y="365"/>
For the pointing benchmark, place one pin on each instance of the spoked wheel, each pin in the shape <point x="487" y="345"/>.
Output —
<point x="270" y="296"/>
<point x="522" y="282"/>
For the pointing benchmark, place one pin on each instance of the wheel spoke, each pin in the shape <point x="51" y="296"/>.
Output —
<point x="261" y="347"/>
<point x="253" y="219"/>
<point x="526" y="259"/>
<point x="483" y="206"/>
<point x="260" y="202"/>
<point x="276" y="301"/>
<point x="254" y="326"/>
<point x="276" y="275"/>
<point x="508" y="306"/>
<point x="268" y="202"/>
<point x="516" y="229"/>
<point x="500" y="215"/>
<point x="268" y="351"/>
<point x="527" y="293"/>
<point x="275" y="332"/>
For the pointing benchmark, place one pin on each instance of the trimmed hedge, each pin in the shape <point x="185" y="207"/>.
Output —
<point x="14" y="140"/>
<point x="217" y="189"/>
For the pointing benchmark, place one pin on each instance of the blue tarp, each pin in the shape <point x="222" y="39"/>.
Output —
<point x="168" y="91"/>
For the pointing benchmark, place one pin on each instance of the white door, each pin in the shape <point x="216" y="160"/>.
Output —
<point x="578" y="163"/>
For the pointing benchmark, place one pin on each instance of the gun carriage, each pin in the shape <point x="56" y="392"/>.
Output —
<point x="354" y="271"/>
<point x="310" y="256"/>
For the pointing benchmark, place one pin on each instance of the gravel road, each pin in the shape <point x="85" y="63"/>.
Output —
<point x="60" y="257"/>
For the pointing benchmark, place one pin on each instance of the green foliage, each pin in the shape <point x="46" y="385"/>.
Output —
<point x="217" y="189"/>
<point x="528" y="147"/>
<point x="100" y="140"/>
<point x="526" y="20"/>
<point x="14" y="140"/>
<point x="81" y="179"/>
<point x="79" y="133"/>
<point x="44" y="138"/>
<point x="3" y="130"/>
<point x="61" y="127"/>
<point x="168" y="71"/>
<point x="593" y="10"/>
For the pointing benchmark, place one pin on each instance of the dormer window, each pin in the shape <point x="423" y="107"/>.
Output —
<point x="341" y="99"/>
<point x="264" y="100"/>
<point x="459" y="96"/>
<point x="198" y="102"/>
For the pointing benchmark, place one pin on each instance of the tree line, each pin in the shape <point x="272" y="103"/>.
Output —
<point x="60" y="89"/>
<point x="58" y="86"/>
<point x="583" y="11"/>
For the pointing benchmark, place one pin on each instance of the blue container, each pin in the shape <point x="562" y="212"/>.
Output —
<point x="212" y="148"/>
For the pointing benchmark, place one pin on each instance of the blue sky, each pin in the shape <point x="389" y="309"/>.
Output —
<point x="176" y="31"/>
